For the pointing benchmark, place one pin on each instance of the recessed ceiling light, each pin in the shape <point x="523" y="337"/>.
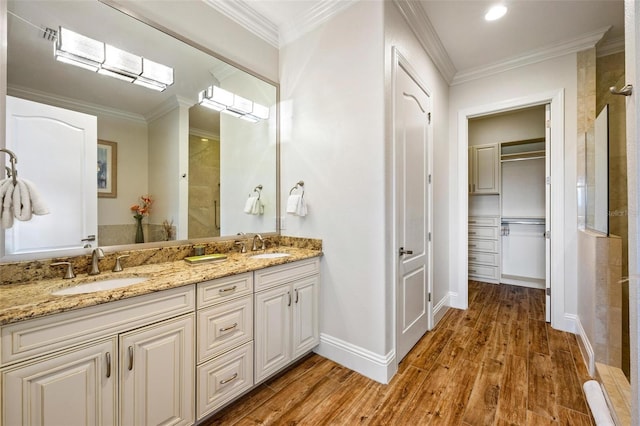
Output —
<point x="496" y="12"/>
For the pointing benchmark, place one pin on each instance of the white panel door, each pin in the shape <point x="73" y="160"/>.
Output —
<point x="157" y="372"/>
<point x="411" y="163"/>
<point x="57" y="151"/>
<point x="77" y="388"/>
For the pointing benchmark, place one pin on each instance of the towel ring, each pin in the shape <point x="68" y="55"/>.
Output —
<point x="300" y="185"/>
<point x="13" y="160"/>
<point x="258" y="189"/>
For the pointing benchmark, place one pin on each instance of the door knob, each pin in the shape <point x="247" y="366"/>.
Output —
<point x="403" y="251"/>
<point x="627" y="90"/>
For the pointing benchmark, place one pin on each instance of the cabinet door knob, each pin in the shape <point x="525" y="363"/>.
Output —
<point x="130" y="358"/>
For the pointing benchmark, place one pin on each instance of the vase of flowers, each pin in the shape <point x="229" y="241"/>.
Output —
<point x="141" y="210"/>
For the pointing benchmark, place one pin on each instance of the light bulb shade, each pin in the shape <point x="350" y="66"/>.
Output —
<point x="122" y="62"/>
<point x="241" y="105"/>
<point x="116" y="75"/>
<point x="150" y="84"/>
<point x="220" y="95"/>
<point x="157" y="72"/>
<point x="231" y="113"/>
<point x="76" y="49"/>
<point x="204" y="99"/>
<point x="260" y="112"/>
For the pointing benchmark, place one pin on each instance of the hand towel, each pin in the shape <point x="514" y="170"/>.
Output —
<point x="292" y="203"/>
<point x="6" y="198"/>
<point x="250" y="205"/>
<point x="256" y="206"/>
<point x="21" y="201"/>
<point x="38" y="206"/>
<point x="302" y="207"/>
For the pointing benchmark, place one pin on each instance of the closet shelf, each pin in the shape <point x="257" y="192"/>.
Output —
<point x="529" y="155"/>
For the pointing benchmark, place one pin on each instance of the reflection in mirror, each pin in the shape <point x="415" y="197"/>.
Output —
<point x="199" y="166"/>
<point x="597" y="173"/>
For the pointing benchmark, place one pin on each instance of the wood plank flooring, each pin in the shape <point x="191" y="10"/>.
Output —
<point x="497" y="363"/>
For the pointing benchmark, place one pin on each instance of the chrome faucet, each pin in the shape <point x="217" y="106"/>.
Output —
<point x="241" y="243"/>
<point x="255" y="247"/>
<point x="96" y="255"/>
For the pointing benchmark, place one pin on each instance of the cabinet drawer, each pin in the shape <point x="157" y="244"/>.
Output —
<point x="489" y="259"/>
<point x="223" y="378"/>
<point x="217" y="291"/>
<point x="483" y="221"/>
<point x="481" y="271"/>
<point x="490" y="232"/>
<point x="483" y="245"/>
<point x="224" y="326"/>
<point x="282" y="274"/>
<point x="26" y="339"/>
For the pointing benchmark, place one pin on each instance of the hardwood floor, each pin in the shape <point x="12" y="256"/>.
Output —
<point x="497" y="363"/>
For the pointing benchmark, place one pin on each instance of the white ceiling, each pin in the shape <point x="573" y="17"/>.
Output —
<point x="530" y="26"/>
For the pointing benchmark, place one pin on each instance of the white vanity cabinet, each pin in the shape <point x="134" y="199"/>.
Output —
<point x="225" y="341"/>
<point x="138" y="368"/>
<point x="75" y="387"/>
<point x="286" y="315"/>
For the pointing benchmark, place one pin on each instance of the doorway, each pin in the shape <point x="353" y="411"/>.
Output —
<point x="508" y="198"/>
<point x="556" y="187"/>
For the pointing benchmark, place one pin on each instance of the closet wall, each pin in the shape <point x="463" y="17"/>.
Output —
<point x="518" y="206"/>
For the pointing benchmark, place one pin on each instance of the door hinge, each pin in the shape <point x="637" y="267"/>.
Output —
<point x="429" y="297"/>
<point x="548" y="124"/>
<point x="547" y="235"/>
<point x="548" y="291"/>
<point x="548" y="180"/>
<point x="429" y="236"/>
<point x="429" y="178"/>
<point x="429" y="117"/>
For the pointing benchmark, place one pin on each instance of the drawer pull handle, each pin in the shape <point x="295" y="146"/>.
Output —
<point x="472" y="258"/>
<point x="473" y="221"/>
<point x="130" y="358"/>
<point x="473" y="271"/>
<point x="289" y="294"/>
<point x="231" y="327"/>
<point x="296" y="295"/>
<point x="224" y="290"/>
<point x="230" y="379"/>
<point x="108" y="357"/>
<point x="473" y="245"/>
<point x="472" y="232"/>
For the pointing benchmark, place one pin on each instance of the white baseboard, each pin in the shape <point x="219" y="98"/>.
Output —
<point x="456" y="302"/>
<point x="585" y="347"/>
<point x="380" y="368"/>
<point x="441" y="308"/>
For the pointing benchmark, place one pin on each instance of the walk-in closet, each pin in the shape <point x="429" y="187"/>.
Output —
<point x="508" y="198"/>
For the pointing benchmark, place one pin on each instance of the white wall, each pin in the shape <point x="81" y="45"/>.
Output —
<point x="332" y="135"/>
<point x="508" y="127"/>
<point x="555" y="75"/>
<point x="399" y="35"/>
<point x="131" y="137"/>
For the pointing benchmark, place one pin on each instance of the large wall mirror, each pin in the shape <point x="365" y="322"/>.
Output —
<point x="200" y="166"/>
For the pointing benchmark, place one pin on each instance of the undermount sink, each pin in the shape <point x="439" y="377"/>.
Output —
<point x="269" y="255"/>
<point x="101" y="285"/>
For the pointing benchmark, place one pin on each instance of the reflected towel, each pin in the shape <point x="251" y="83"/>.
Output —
<point x="251" y="205"/>
<point x="302" y="207"/>
<point x="21" y="201"/>
<point x="6" y="198"/>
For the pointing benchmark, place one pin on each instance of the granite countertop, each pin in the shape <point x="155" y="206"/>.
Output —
<point x="33" y="299"/>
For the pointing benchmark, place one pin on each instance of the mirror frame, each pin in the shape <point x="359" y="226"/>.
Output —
<point x="84" y="251"/>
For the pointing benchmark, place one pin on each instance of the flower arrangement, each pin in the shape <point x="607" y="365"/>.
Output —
<point x="143" y="208"/>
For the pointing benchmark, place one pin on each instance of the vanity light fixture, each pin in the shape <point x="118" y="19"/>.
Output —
<point x="79" y="50"/>
<point x="495" y="12"/>
<point x="221" y="100"/>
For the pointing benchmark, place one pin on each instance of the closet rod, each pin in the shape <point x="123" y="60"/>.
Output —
<point x="522" y="222"/>
<point x="521" y="159"/>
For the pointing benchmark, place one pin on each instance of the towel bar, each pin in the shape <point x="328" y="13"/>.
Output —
<point x="13" y="160"/>
<point x="300" y="185"/>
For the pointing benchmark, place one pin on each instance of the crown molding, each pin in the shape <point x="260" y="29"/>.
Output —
<point x="417" y="19"/>
<point x="610" y="46"/>
<point x="321" y="12"/>
<point x="72" y="104"/>
<point x="167" y="106"/>
<point x="555" y="50"/>
<point x="240" y="12"/>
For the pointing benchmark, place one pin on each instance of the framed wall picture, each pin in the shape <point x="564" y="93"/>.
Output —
<point x="107" y="169"/>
